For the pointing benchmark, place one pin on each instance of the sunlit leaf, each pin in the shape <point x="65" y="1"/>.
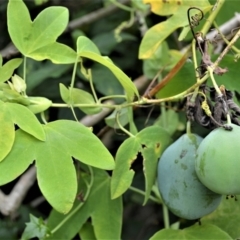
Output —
<point x="158" y="33"/>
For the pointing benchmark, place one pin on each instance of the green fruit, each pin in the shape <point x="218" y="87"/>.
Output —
<point x="218" y="161"/>
<point x="178" y="184"/>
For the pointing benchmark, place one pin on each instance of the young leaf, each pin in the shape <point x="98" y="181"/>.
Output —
<point x="35" y="228"/>
<point x="153" y="140"/>
<point x="158" y="33"/>
<point x="85" y="44"/>
<point x="123" y="174"/>
<point x="7" y="69"/>
<point x="194" y="232"/>
<point x="73" y="96"/>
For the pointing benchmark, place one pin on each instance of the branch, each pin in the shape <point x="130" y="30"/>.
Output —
<point x="10" y="203"/>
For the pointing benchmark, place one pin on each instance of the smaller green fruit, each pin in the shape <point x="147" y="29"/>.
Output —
<point x="218" y="161"/>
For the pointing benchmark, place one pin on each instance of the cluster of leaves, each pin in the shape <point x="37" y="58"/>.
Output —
<point x="80" y="189"/>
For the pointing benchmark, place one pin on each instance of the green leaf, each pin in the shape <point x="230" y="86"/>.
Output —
<point x="123" y="174"/>
<point x="172" y="119"/>
<point x="45" y="29"/>
<point x="154" y="141"/>
<point x="74" y="96"/>
<point x="104" y="206"/>
<point x="184" y="79"/>
<point x="111" y="120"/>
<point x="47" y="26"/>
<point x="7" y="133"/>
<point x="90" y="53"/>
<point x="87" y="232"/>
<point x="194" y="232"/>
<point x="98" y="205"/>
<point x="20" y="34"/>
<point x="226" y="217"/>
<point x="85" y="44"/>
<point x="35" y="228"/>
<point x="158" y="33"/>
<point x="75" y="218"/>
<point x="56" y="175"/>
<point x="55" y="168"/>
<point x="20" y="157"/>
<point x="150" y="142"/>
<point x="8" y="68"/>
<point x="229" y="80"/>
<point x="26" y="120"/>
<point x="79" y="142"/>
<point x="56" y="52"/>
<point x="37" y="39"/>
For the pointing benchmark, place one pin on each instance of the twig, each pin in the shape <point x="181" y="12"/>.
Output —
<point x="225" y="51"/>
<point x="10" y="203"/>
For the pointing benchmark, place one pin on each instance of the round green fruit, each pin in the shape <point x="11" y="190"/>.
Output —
<point x="218" y="161"/>
<point x="180" y="188"/>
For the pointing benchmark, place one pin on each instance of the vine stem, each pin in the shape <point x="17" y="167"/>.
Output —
<point x="136" y="190"/>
